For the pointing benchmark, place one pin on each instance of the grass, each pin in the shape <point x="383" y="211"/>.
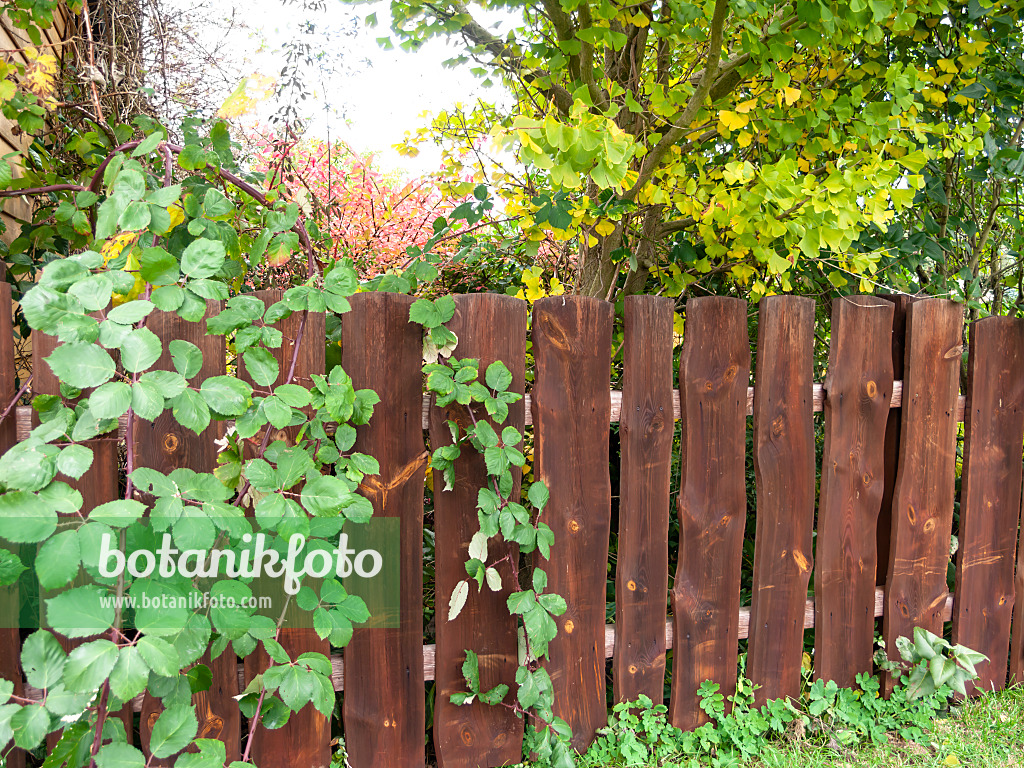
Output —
<point x="987" y="732"/>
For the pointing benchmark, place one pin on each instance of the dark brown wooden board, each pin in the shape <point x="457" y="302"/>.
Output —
<point x="784" y="473"/>
<point x="385" y="708"/>
<point x="1016" y="665"/>
<point x="646" y="429"/>
<point x="306" y="738"/>
<point x="990" y="495"/>
<point x="572" y="339"/>
<point x="490" y="327"/>
<point x="98" y="485"/>
<point x="165" y="445"/>
<point x="922" y="518"/>
<point x="10" y="636"/>
<point x="892" y="433"/>
<point x="858" y="389"/>
<point x="714" y="371"/>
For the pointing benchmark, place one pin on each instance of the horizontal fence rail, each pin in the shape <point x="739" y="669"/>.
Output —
<point x="24" y="412"/>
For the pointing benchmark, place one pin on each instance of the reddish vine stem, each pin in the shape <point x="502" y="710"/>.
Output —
<point x="16" y="398"/>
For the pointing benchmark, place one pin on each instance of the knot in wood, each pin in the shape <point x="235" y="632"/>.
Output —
<point x="573" y="526"/>
<point x="632" y="669"/>
<point x="871" y="389"/>
<point x="170" y="443"/>
<point x="631" y="585"/>
<point x="466" y="734"/>
<point x="569" y="626"/>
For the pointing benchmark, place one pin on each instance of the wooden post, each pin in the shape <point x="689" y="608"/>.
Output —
<point x="385" y="707"/>
<point x="923" y="501"/>
<point x="572" y="338"/>
<point x="646" y="428"/>
<point x="713" y="375"/>
<point x="490" y="327"/>
<point x="784" y="472"/>
<point x="990" y="495"/>
<point x="858" y="389"/>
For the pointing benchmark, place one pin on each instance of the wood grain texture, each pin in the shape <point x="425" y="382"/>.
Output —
<point x="714" y="370"/>
<point x="784" y="473"/>
<point x="165" y="445"/>
<point x="572" y="347"/>
<point x="645" y="443"/>
<point x="990" y="495"/>
<point x="892" y="433"/>
<point x="858" y="384"/>
<point x="490" y="327"/>
<point x="10" y="635"/>
<point x="384" y="708"/>
<point x="923" y="500"/>
<point x="306" y="739"/>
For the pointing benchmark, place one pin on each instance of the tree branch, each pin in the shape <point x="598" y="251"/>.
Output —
<point x="683" y="120"/>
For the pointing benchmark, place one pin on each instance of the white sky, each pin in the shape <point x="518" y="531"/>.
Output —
<point x="373" y="108"/>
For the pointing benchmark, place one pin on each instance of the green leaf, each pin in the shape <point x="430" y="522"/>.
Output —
<point x="89" y="666"/>
<point x="31" y="723"/>
<point x="110" y="400"/>
<point x="42" y="659"/>
<point x="80" y="612"/>
<point x="159" y="655"/>
<point x="81" y="365"/>
<point x="58" y="560"/>
<point x="130" y="674"/>
<point x="75" y="460"/>
<point x="187" y="357"/>
<point x="203" y="258"/>
<point x="261" y="365"/>
<point x="226" y="395"/>
<point x="140" y="349"/>
<point x="120" y="756"/>
<point x="135" y="216"/>
<point x="325" y="495"/>
<point x="158" y="267"/>
<point x="147" y="400"/>
<point x="11" y="568"/>
<point x="215" y="204"/>
<point x="131" y="312"/>
<point x="471" y="671"/>
<point x="118" y="514"/>
<point x="24" y="520"/>
<point x="539" y="495"/>
<point x="173" y="731"/>
<point x="431" y="314"/>
<point x="498" y="377"/>
<point x="191" y="411"/>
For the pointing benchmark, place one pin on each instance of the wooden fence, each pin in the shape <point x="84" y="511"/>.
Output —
<point x="887" y="485"/>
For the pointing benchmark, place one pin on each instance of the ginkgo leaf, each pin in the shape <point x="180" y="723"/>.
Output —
<point x="731" y="120"/>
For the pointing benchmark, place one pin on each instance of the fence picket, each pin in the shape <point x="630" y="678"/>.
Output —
<point x="164" y="445"/>
<point x="923" y="500"/>
<point x="892" y="434"/>
<point x="384" y="709"/>
<point x="490" y="327"/>
<point x="572" y="338"/>
<point x="645" y="438"/>
<point x="713" y="374"/>
<point x="306" y="739"/>
<point x="990" y="495"/>
<point x="784" y="472"/>
<point x="858" y="385"/>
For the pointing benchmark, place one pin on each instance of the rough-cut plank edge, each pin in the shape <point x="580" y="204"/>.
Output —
<point x="25" y="411"/>
<point x="337" y="666"/>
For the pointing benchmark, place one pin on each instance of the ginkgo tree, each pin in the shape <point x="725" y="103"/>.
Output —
<point x="754" y="141"/>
